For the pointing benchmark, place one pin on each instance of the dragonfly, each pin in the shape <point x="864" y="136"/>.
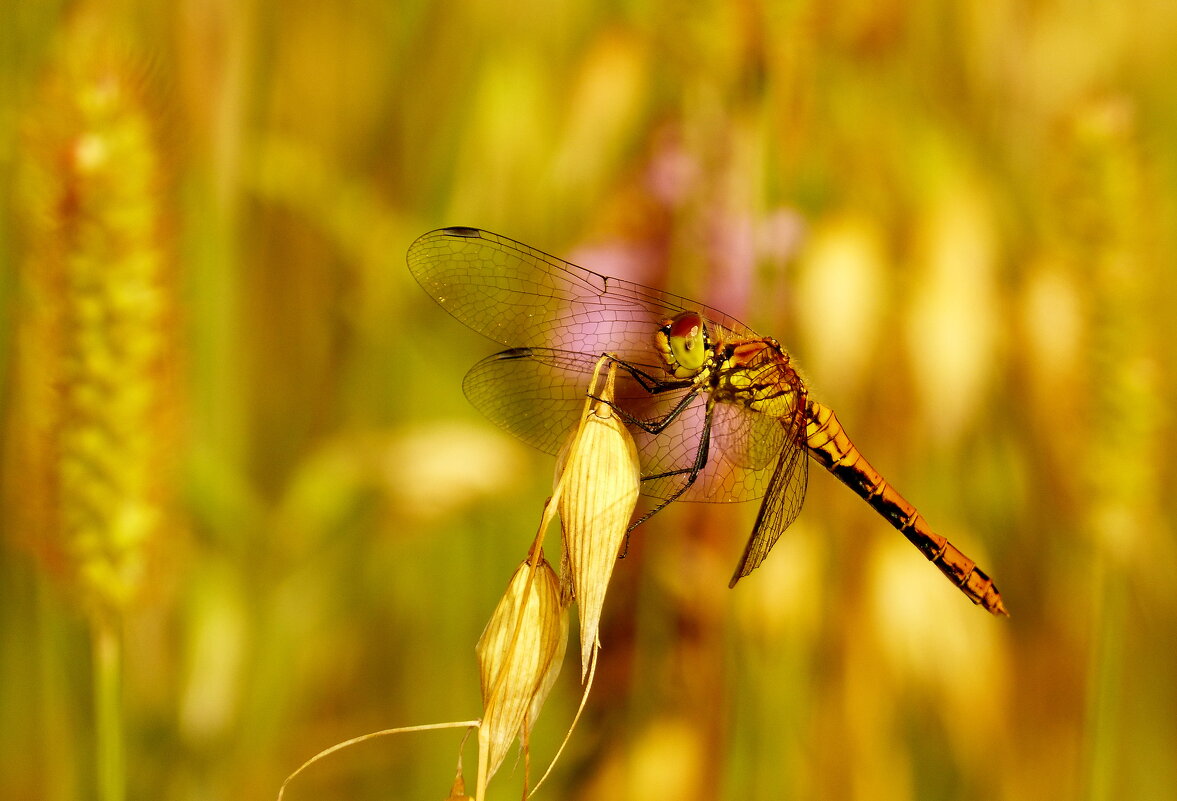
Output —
<point x="718" y="412"/>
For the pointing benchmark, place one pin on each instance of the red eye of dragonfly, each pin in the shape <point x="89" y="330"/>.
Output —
<point x="737" y="431"/>
<point x="686" y="326"/>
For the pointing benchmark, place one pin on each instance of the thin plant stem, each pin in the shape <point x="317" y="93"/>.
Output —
<point x="454" y="724"/>
<point x="110" y="747"/>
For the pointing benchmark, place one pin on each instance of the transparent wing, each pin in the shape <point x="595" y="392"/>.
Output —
<point x="781" y="505"/>
<point x="538" y="395"/>
<point x="519" y="296"/>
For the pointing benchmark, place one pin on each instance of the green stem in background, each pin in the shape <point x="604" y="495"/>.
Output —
<point x="1104" y="695"/>
<point x="110" y="746"/>
<point x="1124" y="490"/>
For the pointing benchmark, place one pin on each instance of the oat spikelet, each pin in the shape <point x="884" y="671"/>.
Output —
<point x="601" y="480"/>
<point x="95" y="323"/>
<point x="519" y="656"/>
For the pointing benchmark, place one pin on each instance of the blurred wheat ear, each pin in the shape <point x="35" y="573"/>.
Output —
<point x="96" y="401"/>
<point x="90" y="432"/>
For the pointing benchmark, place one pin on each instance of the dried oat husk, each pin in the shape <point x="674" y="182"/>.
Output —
<point x="519" y="657"/>
<point x="599" y="477"/>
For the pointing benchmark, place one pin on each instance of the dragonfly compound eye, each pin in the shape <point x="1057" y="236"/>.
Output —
<point x="688" y="343"/>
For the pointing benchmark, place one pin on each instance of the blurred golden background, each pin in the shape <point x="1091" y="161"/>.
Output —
<point x="248" y="513"/>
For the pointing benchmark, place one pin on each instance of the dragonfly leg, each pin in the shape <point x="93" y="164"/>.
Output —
<point x="656" y="427"/>
<point x="655" y="386"/>
<point x="691" y="473"/>
<point x="648" y="382"/>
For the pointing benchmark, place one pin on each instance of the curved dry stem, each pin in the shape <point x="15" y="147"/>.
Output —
<point x="457" y="724"/>
<point x="592" y="671"/>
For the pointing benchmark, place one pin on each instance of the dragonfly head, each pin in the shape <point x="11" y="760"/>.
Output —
<point x="682" y="341"/>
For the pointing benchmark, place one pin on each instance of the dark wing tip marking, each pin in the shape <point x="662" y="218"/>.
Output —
<point x="461" y="230"/>
<point x="514" y="353"/>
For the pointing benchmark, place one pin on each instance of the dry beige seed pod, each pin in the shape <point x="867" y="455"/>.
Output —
<point x="519" y="656"/>
<point x="458" y="790"/>
<point x="599" y="478"/>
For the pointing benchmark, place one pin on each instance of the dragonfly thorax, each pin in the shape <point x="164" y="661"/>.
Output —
<point x="683" y="343"/>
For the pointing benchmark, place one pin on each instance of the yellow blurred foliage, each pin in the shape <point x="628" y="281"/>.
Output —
<point x="958" y="217"/>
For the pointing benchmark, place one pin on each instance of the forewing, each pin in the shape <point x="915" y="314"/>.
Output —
<point x="519" y="296"/>
<point x="538" y="395"/>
